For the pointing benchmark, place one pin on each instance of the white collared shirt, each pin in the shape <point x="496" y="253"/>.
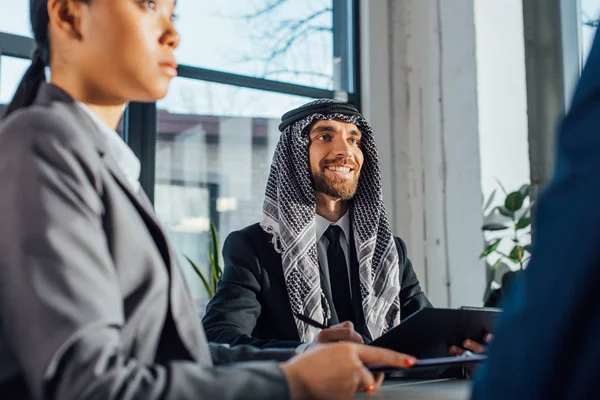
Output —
<point x="126" y="159"/>
<point x="321" y="225"/>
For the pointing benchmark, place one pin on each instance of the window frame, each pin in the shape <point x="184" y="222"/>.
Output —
<point x="140" y="119"/>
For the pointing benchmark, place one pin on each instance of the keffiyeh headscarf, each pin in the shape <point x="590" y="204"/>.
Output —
<point x="289" y="216"/>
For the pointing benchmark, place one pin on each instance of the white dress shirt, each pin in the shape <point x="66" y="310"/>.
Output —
<point x="126" y="159"/>
<point x="321" y="225"/>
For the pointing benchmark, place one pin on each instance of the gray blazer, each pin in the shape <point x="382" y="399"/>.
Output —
<point x="93" y="304"/>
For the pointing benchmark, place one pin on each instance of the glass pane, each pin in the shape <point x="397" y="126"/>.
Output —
<point x="214" y="150"/>
<point x="11" y="72"/>
<point x="14" y="17"/>
<point x="590" y="17"/>
<point x="284" y="40"/>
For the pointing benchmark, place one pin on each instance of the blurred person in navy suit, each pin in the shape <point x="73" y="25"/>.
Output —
<point x="547" y="342"/>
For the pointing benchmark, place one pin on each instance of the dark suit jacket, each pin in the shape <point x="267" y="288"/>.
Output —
<point x="93" y="304"/>
<point x="252" y="306"/>
<point x="546" y="345"/>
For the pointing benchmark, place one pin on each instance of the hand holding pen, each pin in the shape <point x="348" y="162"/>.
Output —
<point x="365" y="355"/>
<point x="343" y="332"/>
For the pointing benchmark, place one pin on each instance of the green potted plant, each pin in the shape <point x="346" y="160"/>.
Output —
<point x="507" y="232"/>
<point x="214" y="262"/>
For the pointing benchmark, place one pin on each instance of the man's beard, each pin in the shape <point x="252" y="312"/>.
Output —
<point x="336" y="187"/>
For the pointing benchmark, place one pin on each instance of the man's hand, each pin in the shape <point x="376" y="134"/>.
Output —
<point x="471" y="346"/>
<point x="343" y="332"/>
<point x="475" y="348"/>
<point x="337" y="371"/>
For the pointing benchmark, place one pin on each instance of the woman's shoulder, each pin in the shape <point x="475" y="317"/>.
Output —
<point x="39" y="124"/>
<point x="38" y="121"/>
<point x="53" y="133"/>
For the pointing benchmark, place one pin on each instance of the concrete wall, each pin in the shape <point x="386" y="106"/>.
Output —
<point x="420" y="94"/>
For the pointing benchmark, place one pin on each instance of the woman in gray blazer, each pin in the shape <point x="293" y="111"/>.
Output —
<point x="92" y="301"/>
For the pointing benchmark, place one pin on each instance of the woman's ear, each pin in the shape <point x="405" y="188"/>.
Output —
<point x="65" y="17"/>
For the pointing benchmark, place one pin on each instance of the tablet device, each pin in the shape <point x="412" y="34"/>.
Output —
<point x="430" y="331"/>
<point x="436" y="362"/>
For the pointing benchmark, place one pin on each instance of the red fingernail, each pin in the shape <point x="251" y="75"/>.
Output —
<point x="409" y="362"/>
<point x="370" y="388"/>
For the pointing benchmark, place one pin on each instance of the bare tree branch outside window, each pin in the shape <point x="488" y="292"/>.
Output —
<point x="292" y="40"/>
<point x="591" y="22"/>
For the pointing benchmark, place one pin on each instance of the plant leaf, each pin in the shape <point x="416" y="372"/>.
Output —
<point x="527" y="212"/>
<point x="525" y="190"/>
<point x="523" y="223"/>
<point x="490" y="248"/>
<point x="501" y="187"/>
<point x="215" y="251"/>
<point x="207" y="286"/>
<point x="494" y="217"/>
<point x="213" y="258"/>
<point x="514" y="201"/>
<point x="490" y="199"/>
<point x="494" y="226"/>
<point x="516" y="254"/>
<point x="504" y="211"/>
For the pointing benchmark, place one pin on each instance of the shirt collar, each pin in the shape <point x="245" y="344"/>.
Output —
<point x="126" y="159"/>
<point x="321" y="225"/>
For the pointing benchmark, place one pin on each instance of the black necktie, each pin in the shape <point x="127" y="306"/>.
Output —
<point x="338" y="274"/>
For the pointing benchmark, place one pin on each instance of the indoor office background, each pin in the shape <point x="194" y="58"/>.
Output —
<point x="463" y="96"/>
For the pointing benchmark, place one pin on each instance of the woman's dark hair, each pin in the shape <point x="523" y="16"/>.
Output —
<point x="35" y="75"/>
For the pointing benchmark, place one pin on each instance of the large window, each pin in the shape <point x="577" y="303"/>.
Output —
<point x="213" y="154"/>
<point x="244" y="65"/>
<point x="14" y="17"/>
<point x="206" y="148"/>
<point x="11" y="71"/>
<point x="14" y="24"/>
<point x="289" y="41"/>
<point x="590" y="18"/>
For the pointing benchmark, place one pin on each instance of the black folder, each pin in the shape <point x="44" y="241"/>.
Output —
<point x="461" y="360"/>
<point x="430" y="331"/>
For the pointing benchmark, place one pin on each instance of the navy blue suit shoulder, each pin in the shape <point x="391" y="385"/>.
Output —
<point x="546" y="344"/>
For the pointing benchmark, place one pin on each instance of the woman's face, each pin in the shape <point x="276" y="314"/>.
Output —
<point x="124" y="48"/>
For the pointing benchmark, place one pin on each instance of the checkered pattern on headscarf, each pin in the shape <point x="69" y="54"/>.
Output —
<point x="289" y="216"/>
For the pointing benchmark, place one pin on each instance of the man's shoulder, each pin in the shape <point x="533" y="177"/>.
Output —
<point x="400" y="244"/>
<point x="251" y="243"/>
<point x="401" y="248"/>
<point x="253" y="234"/>
<point x="253" y="231"/>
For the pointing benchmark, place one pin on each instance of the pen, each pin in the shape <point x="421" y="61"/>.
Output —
<point x="310" y="321"/>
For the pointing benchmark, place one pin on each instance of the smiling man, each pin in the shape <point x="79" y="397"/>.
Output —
<point x="324" y="248"/>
